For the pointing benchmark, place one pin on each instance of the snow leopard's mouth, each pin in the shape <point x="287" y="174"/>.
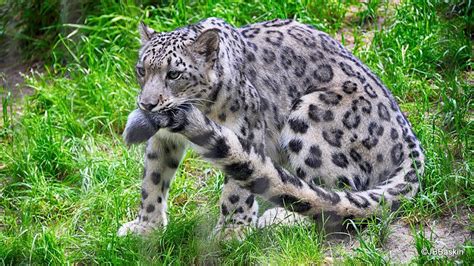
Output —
<point x="142" y="125"/>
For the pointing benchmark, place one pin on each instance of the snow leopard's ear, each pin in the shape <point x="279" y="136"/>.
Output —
<point x="207" y="45"/>
<point x="145" y="32"/>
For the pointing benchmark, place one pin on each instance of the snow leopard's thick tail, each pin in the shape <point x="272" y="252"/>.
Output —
<point x="253" y="170"/>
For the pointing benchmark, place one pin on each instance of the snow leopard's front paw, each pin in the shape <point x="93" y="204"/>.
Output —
<point x="137" y="227"/>
<point x="281" y="216"/>
<point x="232" y="231"/>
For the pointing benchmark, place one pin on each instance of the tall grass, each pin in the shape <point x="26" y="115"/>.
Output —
<point x="68" y="182"/>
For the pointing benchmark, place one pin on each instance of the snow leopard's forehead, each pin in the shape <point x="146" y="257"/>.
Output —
<point x="163" y="46"/>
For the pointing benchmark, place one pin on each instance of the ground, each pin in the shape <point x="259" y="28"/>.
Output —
<point x="12" y="70"/>
<point x="67" y="181"/>
<point x="447" y="233"/>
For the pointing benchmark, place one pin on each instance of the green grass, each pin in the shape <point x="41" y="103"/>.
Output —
<point x="67" y="181"/>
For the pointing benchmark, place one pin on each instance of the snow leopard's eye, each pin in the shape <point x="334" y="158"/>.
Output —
<point x="140" y="71"/>
<point x="174" y="75"/>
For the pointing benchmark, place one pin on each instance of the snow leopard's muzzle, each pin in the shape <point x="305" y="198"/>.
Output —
<point x="142" y="125"/>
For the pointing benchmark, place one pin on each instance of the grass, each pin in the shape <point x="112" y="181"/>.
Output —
<point x="67" y="181"/>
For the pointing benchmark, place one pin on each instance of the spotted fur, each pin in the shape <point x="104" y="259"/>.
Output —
<point x="284" y="110"/>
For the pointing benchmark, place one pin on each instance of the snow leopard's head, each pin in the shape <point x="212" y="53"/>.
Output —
<point x="176" y="67"/>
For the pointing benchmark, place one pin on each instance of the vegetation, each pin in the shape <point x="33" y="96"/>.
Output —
<point x="67" y="181"/>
